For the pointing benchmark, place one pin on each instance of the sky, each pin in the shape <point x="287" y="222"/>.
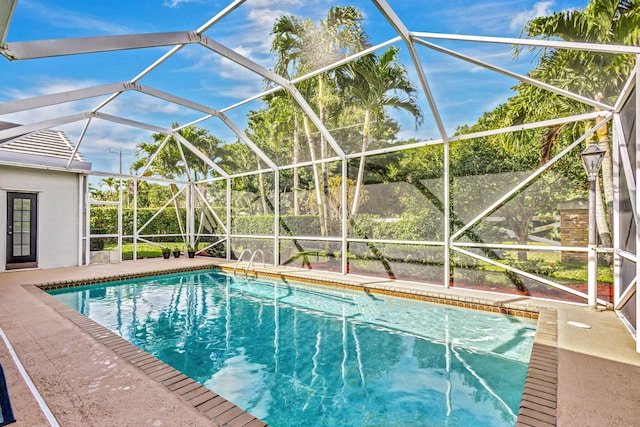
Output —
<point x="462" y="91"/>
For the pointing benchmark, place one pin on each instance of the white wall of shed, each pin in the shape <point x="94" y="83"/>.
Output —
<point x="58" y="227"/>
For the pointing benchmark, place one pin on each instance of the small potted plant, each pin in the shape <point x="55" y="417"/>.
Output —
<point x="191" y="251"/>
<point x="166" y="252"/>
<point x="176" y="252"/>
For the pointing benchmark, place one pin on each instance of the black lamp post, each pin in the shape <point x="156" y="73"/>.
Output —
<point x="592" y="160"/>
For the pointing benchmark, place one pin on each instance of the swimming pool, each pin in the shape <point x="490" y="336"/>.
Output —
<point x="297" y="354"/>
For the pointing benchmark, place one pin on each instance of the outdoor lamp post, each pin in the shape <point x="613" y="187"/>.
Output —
<point x="592" y="159"/>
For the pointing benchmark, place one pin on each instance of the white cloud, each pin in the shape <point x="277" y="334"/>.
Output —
<point x="238" y="91"/>
<point x="266" y="3"/>
<point x="264" y="17"/>
<point x="213" y="64"/>
<point x="497" y="17"/>
<point x="542" y="8"/>
<point x="47" y="85"/>
<point x="102" y="135"/>
<point x="66" y="18"/>
<point x="176" y="3"/>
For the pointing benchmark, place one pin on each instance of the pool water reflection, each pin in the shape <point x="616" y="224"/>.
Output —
<point x="294" y="354"/>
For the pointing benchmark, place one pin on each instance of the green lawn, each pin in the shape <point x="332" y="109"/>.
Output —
<point x="145" y="250"/>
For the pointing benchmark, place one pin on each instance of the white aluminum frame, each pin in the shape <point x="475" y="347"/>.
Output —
<point x="177" y="40"/>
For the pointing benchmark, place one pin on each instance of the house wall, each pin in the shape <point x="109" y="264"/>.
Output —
<point x="58" y="230"/>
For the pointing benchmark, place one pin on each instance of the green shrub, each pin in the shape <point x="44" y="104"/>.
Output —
<point x="104" y="220"/>
<point x="257" y="225"/>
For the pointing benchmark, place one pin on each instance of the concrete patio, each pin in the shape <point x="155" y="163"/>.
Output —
<point x="89" y="377"/>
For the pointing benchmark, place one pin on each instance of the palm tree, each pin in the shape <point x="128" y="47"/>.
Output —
<point x="596" y="75"/>
<point x="168" y="162"/>
<point x="301" y="47"/>
<point x="112" y="187"/>
<point x="372" y="84"/>
<point x="277" y="130"/>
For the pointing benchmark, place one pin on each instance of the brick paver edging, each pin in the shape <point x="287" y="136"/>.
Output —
<point x="48" y="286"/>
<point x="514" y="309"/>
<point x="540" y="394"/>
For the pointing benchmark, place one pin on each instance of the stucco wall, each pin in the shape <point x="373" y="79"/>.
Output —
<point x="57" y="243"/>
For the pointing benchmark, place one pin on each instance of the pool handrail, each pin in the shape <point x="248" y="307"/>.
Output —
<point x="246" y="270"/>
<point x="240" y="259"/>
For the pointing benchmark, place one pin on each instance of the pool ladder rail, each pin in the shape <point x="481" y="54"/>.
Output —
<point x="248" y="266"/>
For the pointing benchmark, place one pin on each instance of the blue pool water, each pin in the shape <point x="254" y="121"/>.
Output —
<point x="303" y="355"/>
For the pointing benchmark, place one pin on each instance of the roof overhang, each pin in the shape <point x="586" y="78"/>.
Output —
<point x="42" y="162"/>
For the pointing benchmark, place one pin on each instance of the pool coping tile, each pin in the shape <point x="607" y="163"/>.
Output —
<point x="538" y="406"/>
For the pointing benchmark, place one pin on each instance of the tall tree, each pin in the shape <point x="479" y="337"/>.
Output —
<point x="371" y="85"/>
<point x="593" y="74"/>
<point x="275" y="129"/>
<point x="303" y="46"/>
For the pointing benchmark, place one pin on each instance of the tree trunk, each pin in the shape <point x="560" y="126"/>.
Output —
<point x="205" y="173"/>
<point x="316" y="176"/>
<point x="607" y="170"/>
<point x="601" y="219"/>
<point x="174" y="190"/>
<point x="603" y="210"/>
<point x="323" y="152"/>
<point x="263" y="196"/>
<point x="360" y="179"/>
<point x="296" y="159"/>
<point x="202" y="212"/>
<point x="522" y="224"/>
<point x="607" y="164"/>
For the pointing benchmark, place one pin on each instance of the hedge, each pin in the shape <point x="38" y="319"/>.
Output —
<point x="104" y="220"/>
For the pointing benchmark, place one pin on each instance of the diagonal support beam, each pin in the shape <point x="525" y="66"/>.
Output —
<point x="199" y="153"/>
<point x="516" y="76"/>
<point x="132" y="123"/>
<point x="161" y="209"/>
<point x="213" y="212"/>
<point x="527" y="181"/>
<point x="552" y="44"/>
<point x="75" y="46"/>
<point x="187" y="167"/>
<point x="243" y="136"/>
<point x="7" y="7"/>
<point x="173" y="99"/>
<point x="59" y="98"/>
<point x="270" y="75"/>
<point x="35" y="127"/>
<point x="153" y="156"/>
<point x="522" y="273"/>
<point x="77" y="146"/>
<point x="403" y="32"/>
